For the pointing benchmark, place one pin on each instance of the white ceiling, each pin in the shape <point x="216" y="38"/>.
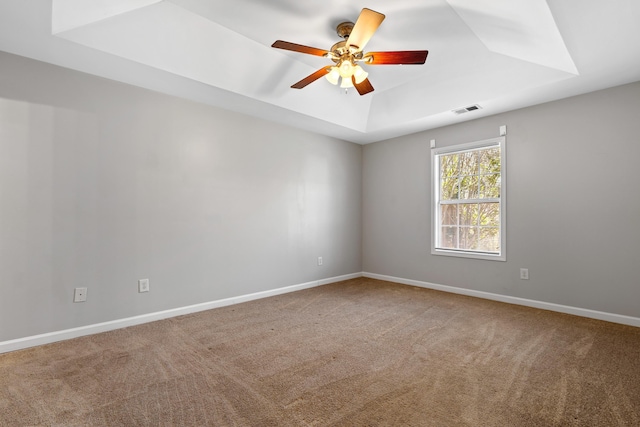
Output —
<point x="500" y="54"/>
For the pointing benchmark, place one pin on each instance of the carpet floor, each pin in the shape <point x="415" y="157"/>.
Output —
<point x="357" y="353"/>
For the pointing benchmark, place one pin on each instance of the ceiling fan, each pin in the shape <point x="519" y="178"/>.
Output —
<point x="347" y="54"/>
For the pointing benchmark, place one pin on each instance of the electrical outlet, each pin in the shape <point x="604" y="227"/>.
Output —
<point x="143" y="285"/>
<point x="319" y="260"/>
<point x="524" y="274"/>
<point x="79" y="294"/>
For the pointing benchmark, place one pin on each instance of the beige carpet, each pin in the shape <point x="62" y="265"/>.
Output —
<point x="356" y="353"/>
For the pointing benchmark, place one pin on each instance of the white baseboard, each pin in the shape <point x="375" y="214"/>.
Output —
<point x="339" y="278"/>
<point x="593" y="314"/>
<point x="32" y="341"/>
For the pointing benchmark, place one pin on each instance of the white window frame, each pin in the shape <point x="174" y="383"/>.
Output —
<point x="435" y="198"/>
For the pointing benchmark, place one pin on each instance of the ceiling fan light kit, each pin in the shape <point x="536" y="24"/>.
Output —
<point x="348" y="54"/>
<point x="346" y="83"/>
<point x="333" y="76"/>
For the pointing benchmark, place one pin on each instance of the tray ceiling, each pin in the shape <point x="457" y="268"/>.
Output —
<point x="499" y="54"/>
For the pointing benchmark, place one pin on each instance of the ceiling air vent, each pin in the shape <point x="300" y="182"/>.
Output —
<point x="467" y="109"/>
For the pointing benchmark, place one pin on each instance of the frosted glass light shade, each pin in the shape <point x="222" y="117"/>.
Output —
<point x="359" y="74"/>
<point x="346" y="82"/>
<point x="333" y="76"/>
<point x="346" y="69"/>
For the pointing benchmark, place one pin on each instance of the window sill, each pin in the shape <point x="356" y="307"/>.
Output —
<point x="472" y="255"/>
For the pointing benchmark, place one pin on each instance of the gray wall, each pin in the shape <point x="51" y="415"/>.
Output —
<point x="102" y="184"/>
<point x="573" y="206"/>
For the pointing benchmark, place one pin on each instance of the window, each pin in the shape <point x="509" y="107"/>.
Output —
<point x="468" y="200"/>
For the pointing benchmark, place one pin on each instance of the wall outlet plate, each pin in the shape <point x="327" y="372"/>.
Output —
<point x="524" y="273"/>
<point x="143" y="285"/>
<point x="79" y="294"/>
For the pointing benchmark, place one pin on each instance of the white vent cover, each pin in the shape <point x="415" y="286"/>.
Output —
<point x="467" y="109"/>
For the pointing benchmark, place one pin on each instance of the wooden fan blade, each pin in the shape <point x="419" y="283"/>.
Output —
<point x="281" y="44"/>
<point x="312" y="78"/>
<point x="396" y="57"/>
<point x="367" y="24"/>
<point x="364" y="87"/>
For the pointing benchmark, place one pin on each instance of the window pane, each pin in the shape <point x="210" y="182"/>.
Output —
<point x="469" y="187"/>
<point x="468" y="238"/>
<point x="489" y="214"/>
<point x="490" y="160"/>
<point x="449" y="214"/>
<point x="449" y="165"/>
<point x="449" y="237"/>
<point x="489" y="186"/>
<point x="468" y="213"/>
<point x="469" y="163"/>
<point x="489" y="239"/>
<point x="449" y="173"/>
<point x="449" y="188"/>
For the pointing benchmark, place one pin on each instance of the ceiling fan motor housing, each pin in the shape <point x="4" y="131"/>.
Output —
<point x="344" y="29"/>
